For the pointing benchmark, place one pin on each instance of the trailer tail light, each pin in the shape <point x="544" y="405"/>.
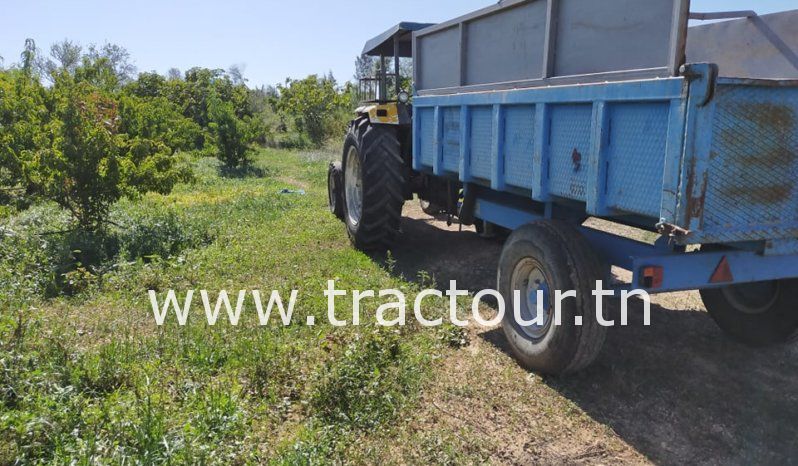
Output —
<point x="653" y="277"/>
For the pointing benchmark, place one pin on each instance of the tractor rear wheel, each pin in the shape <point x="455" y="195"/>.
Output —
<point x="374" y="184"/>
<point x="547" y="256"/>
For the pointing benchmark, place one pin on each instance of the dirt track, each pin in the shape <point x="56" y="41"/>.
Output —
<point x="673" y="393"/>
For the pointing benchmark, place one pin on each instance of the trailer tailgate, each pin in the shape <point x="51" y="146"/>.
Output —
<point x="749" y="191"/>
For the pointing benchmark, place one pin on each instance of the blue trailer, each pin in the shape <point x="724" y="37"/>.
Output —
<point x="534" y="115"/>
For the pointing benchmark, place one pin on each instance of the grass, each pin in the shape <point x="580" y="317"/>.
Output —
<point x="87" y="377"/>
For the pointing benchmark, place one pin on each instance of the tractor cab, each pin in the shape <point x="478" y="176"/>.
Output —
<point x="385" y="96"/>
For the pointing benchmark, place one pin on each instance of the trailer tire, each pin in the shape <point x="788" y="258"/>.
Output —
<point x="430" y="208"/>
<point x="374" y="185"/>
<point x="562" y="258"/>
<point x="756" y="314"/>
<point x="335" y="196"/>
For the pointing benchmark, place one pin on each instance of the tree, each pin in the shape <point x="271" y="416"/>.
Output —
<point x="316" y="105"/>
<point x="90" y="164"/>
<point x="64" y="56"/>
<point x="23" y="116"/>
<point x="28" y="57"/>
<point x="199" y="83"/>
<point x="158" y="119"/>
<point x="193" y="95"/>
<point x="365" y="67"/>
<point x="232" y="135"/>
<point x="98" y="72"/>
<point x="80" y="170"/>
<point x="174" y="74"/>
<point x="148" y="85"/>
<point x="97" y="134"/>
<point x="117" y="57"/>
<point x="236" y="73"/>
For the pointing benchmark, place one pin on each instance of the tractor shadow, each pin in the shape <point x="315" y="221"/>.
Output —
<point x="677" y="391"/>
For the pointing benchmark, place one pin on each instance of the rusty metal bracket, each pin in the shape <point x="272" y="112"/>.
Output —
<point x="672" y="231"/>
<point x="704" y="73"/>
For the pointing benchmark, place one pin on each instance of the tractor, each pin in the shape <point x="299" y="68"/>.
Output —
<point x="370" y="185"/>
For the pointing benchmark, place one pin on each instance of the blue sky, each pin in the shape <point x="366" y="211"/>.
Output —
<point x="271" y="39"/>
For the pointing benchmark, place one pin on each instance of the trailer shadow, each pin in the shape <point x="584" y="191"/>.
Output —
<point x="432" y="252"/>
<point x="677" y="391"/>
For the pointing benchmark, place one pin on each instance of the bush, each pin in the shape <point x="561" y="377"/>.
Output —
<point x="316" y="105"/>
<point x="40" y="256"/>
<point x="231" y="134"/>
<point x="149" y="166"/>
<point x="294" y="140"/>
<point x="158" y="119"/>
<point x="152" y="234"/>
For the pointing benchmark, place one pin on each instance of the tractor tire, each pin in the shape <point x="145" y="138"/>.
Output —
<point x="756" y="314"/>
<point x="335" y="197"/>
<point x="551" y="255"/>
<point x="374" y="185"/>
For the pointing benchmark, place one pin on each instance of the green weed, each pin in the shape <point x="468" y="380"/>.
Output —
<point x="87" y="377"/>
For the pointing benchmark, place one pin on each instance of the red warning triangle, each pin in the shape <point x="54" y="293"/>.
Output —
<point x="723" y="273"/>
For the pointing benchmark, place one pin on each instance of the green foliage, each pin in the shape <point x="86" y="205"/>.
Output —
<point x="368" y="383"/>
<point x="23" y="117"/>
<point x="90" y="379"/>
<point x="158" y="119"/>
<point x="200" y="85"/>
<point x="158" y="233"/>
<point x="41" y="257"/>
<point x="150" y="166"/>
<point x="98" y="72"/>
<point x="232" y="135"/>
<point x="149" y="85"/>
<point x="28" y="57"/>
<point x="81" y="169"/>
<point x="97" y="134"/>
<point x="90" y="164"/>
<point x="316" y="107"/>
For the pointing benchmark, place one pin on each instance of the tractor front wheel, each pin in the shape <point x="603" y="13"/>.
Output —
<point x="335" y="196"/>
<point x="374" y="182"/>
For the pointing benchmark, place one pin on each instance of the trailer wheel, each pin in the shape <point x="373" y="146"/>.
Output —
<point x="756" y="314"/>
<point x="430" y="208"/>
<point x="374" y="182"/>
<point x="335" y="198"/>
<point x="551" y="255"/>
